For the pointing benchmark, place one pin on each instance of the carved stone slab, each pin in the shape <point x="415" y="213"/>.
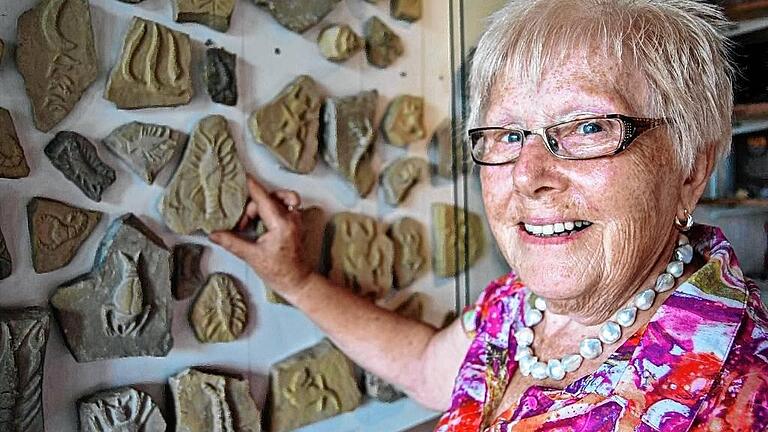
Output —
<point x="400" y="176"/>
<point x="288" y="125"/>
<point x="453" y="233"/>
<point x="339" y="42"/>
<point x="206" y="402"/>
<point x="145" y="148"/>
<point x="76" y="158"/>
<point x="298" y="15"/>
<point x="410" y="241"/>
<point x="220" y="313"/>
<point x="123" y="307"/>
<point x="310" y="386"/>
<point x="404" y="121"/>
<point x="6" y="264"/>
<point x="208" y="190"/>
<point x="361" y="256"/>
<point x="13" y="164"/>
<point x="382" y="45"/>
<point x="406" y="10"/>
<point x="23" y="338"/>
<point x="220" y="75"/>
<point x="187" y="273"/>
<point x="215" y="14"/>
<point x="56" y="232"/>
<point x="153" y="69"/>
<point x="441" y="150"/>
<point x="56" y="57"/>
<point x="120" y="410"/>
<point x="348" y="136"/>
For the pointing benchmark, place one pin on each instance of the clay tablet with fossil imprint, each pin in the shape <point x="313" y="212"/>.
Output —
<point x="310" y="386"/>
<point x="404" y="121"/>
<point x="123" y="307"/>
<point x="145" y="148"/>
<point x="288" y="125"/>
<point x="6" y="264"/>
<point x="382" y="45"/>
<point x="406" y="10"/>
<point x="298" y="15"/>
<point x="208" y="190"/>
<point x="23" y="339"/>
<point x="400" y="176"/>
<point x="187" y="271"/>
<point x="56" y="57"/>
<point x="13" y="164"/>
<point x="454" y="234"/>
<point x="153" y="69"/>
<point x="361" y="254"/>
<point x="220" y="313"/>
<point x="76" y="158"/>
<point x="206" y="402"/>
<point x="220" y="76"/>
<point x="56" y="232"/>
<point x="339" y="42"/>
<point x="411" y="256"/>
<point x="215" y="14"/>
<point x="120" y="410"/>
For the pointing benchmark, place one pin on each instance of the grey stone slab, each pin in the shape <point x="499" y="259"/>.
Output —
<point x="411" y="255"/>
<point x="220" y="76"/>
<point x="206" y="402"/>
<point x="455" y="234"/>
<point x="120" y="410"/>
<point x="406" y="10"/>
<point x="208" y="189"/>
<point x="288" y="125"/>
<point x="399" y="177"/>
<point x="187" y="271"/>
<point x="153" y="69"/>
<point x="298" y="15"/>
<point x="55" y="55"/>
<point x="349" y="133"/>
<point x="76" y="158"/>
<point x="312" y="385"/>
<point x="123" y="307"/>
<point x="377" y="388"/>
<point x="6" y="264"/>
<point x="338" y="43"/>
<point x="220" y="312"/>
<point x="145" y="148"/>
<point x="404" y="120"/>
<point x="382" y="45"/>
<point x="23" y="339"/>
<point x="215" y="14"/>
<point x="13" y="163"/>
<point x="56" y="232"/>
<point x="441" y="150"/>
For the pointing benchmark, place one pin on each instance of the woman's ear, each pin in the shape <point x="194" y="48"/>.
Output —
<point x="696" y="182"/>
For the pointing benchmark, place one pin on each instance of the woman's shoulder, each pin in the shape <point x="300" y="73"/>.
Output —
<point x="504" y="292"/>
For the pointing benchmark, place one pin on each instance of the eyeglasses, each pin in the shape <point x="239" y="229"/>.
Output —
<point x="580" y="139"/>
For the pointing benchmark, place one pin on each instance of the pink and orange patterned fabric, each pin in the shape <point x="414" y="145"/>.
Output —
<point x="700" y="364"/>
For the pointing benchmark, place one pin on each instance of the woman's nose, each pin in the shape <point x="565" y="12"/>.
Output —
<point x="536" y="172"/>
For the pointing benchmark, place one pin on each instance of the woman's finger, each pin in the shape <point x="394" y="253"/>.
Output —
<point x="244" y="249"/>
<point x="289" y="198"/>
<point x="266" y="207"/>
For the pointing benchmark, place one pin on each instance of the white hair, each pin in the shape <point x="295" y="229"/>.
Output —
<point x="676" y="46"/>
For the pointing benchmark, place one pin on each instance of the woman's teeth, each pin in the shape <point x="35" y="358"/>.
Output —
<point x="556" y="229"/>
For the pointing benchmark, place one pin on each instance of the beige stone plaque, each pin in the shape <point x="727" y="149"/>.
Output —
<point x="410" y="242"/>
<point x="400" y="176"/>
<point x="455" y="234"/>
<point x="13" y="164"/>
<point x="146" y="148"/>
<point x="215" y="14"/>
<point x="219" y="313"/>
<point x="406" y="10"/>
<point x="339" y="42"/>
<point x="404" y="121"/>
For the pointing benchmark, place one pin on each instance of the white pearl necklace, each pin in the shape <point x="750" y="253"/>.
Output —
<point x="610" y="331"/>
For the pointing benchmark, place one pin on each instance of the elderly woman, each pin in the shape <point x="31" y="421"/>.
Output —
<point x="595" y="126"/>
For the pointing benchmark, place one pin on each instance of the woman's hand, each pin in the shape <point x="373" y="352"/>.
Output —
<point x="276" y="256"/>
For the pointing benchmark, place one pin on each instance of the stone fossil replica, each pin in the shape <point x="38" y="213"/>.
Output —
<point x="348" y="135"/>
<point x="56" y="232"/>
<point x="411" y="256"/>
<point x="406" y="10"/>
<point x="208" y="190"/>
<point x="215" y="14"/>
<point x="288" y="125"/>
<point x="361" y="254"/>
<point x="76" y="158"/>
<point x="23" y="338"/>
<point x="220" y="76"/>
<point x="400" y="176"/>
<point x="455" y="235"/>
<point x="441" y="150"/>
<point x="339" y="42"/>
<point x="13" y="164"/>
<point x="219" y="313"/>
<point x="56" y="57"/>
<point x="298" y="15"/>
<point x="382" y="45"/>
<point x="120" y="410"/>
<point x="153" y="69"/>
<point x="187" y="274"/>
<point x="145" y="148"/>
<point x="123" y="307"/>
<point x="404" y="121"/>
<point x="310" y="386"/>
<point x="213" y="403"/>
<point x="6" y="264"/>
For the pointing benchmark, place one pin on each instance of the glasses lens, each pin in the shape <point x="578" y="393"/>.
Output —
<point x="496" y="145"/>
<point x="586" y="138"/>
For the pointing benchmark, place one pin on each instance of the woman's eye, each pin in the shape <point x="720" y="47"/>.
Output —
<point x="589" y="128"/>
<point x="511" y="138"/>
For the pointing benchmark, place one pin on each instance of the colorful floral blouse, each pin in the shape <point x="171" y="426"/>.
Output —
<point x="700" y="364"/>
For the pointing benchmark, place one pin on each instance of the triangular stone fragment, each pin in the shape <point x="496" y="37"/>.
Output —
<point x="123" y="307"/>
<point x="145" y="148"/>
<point x="153" y="69"/>
<point x="400" y="176"/>
<point x="455" y="235"/>
<point x="6" y="264"/>
<point x="220" y="313"/>
<point x="404" y="120"/>
<point x="56" y="232"/>
<point x="120" y="410"/>
<point x="76" y="158"/>
<point x="56" y="57"/>
<point x="13" y="164"/>
<point x="298" y="15"/>
<point x="382" y="45"/>
<point x="215" y="14"/>
<point x="411" y="256"/>
<point x="220" y="76"/>
<point x="208" y="190"/>
<point x="187" y="273"/>
<point x="288" y="125"/>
